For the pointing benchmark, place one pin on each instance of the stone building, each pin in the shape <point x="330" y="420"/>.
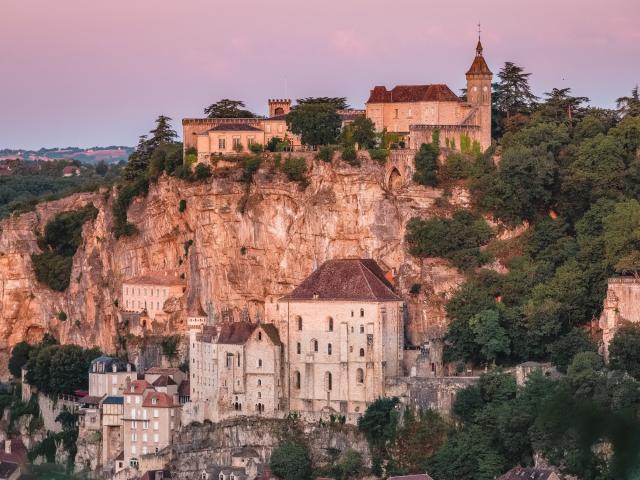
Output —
<point x="150" y="419"/>
<point x="621" y="305"/>
<point x="108" y="375"/>
<point x="236" y="369"/>
<point x="148" y="293"/>
<point x="415" y="111"/>
<point x="342" y="334"/>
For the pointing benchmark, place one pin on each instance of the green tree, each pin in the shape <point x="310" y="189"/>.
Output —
<point x="291" y="461"/>
<point x="622" y="231"/>
<point x="562" y="351"/>
<point x="629" y="105"/>
<point x="162" y="133"/>
<point x="316" y="123"/>
<point x="364" y="132"/>
<point x="490" y="335"/>
<point x="426" y="164"/>
<point x="348" y="465"/>
<point x="624" y="350"/>
<point x="227" y="108"/>
<point x="379" y="423"/>
<point x="513" y="93"/>
<point x="102" y="168"/>
<point x="19" y="358"/>
<point x="560" y="106"/>
<point x="339" y="103"/>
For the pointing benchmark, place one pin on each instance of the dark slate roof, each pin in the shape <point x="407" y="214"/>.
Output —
<point x="164" y="381"/>
<point x="90" y="400"/>
<point x="346" y="279"/>
<point x="479" y="66"/>
<point x="113" y="400"/>
<point x="7" y="469"/>
<point x="519" y="473"/>
<point x="184" y="389"/>
<point x="236" y="333"/>
<point x="234" y="127"/>
<point x="413" y="93"/>
<point x="272" y="332"/>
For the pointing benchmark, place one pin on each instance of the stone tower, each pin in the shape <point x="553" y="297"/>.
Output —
<point x="479" y="95"/>
<point x="279" y="106"/>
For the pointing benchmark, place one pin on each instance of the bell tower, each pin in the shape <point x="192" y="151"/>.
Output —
<point x="479" y="93"/>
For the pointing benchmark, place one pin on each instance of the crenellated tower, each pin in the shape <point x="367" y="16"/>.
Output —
<point x="279" y="106"/>
<point x="479" y="94"/>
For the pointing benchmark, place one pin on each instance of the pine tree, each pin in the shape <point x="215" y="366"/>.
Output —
<point x="629" y="105"/>
<point x="561" y="106"/>
<point x="514" y="92"/>
<point x="162" y="134"/>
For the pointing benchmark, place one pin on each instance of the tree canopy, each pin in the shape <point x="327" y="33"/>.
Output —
<point x="316" y="123"/>
<point x="227" y="108"/>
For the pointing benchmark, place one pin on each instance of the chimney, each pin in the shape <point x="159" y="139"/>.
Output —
<point x="7" y="446"/>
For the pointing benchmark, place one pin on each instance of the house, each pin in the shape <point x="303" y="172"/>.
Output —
<point x="70" y="171"/>
<point x="520" y="473"/>
<point x="108" y="375"/>
<point x="342" y="334"/>
<point x="148" y="293"/>
<point x="414" y="112"/>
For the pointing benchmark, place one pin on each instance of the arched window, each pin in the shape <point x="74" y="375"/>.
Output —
<point x="259" y="394"/>
<point x="362" y="352"/>
<point x="299" y="320"/>
<point x="203" y="476"/>
<point x="328" y="349"/>
<point x="313" y="346"/>
<point x="362" y="312"/>
<point x="359" y="375"/>
<point x="259" y="382"/>
<point x="328" y="381"/>
<point x="361" y="328"/>
<point x="259" y="363"/>
<point x="299" y="348"/>
<point x="296" y="378"/>
<point x="330" y="324"/>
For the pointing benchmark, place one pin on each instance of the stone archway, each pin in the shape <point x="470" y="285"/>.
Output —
<point x="394" y="180"/>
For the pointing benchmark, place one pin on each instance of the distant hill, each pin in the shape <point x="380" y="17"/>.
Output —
<point x="111" y="154"/>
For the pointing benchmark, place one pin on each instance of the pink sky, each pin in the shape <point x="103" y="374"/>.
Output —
<point x="78" y="72"/>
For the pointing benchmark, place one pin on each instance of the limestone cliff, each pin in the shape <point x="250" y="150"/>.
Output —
<point x="248" y="244"/>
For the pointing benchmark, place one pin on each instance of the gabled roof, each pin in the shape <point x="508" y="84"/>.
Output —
<point x="272" y="332"/>
<point x="184" y="389"/>
<point x="412" y="93"/>
<point x="236" y="333"/>
<point x="137" y="387"/>
<point x="346" y="279"/>
<point x="161" y="400"/>
<point x="164" y="381"/>
<point x="113" y="400"/>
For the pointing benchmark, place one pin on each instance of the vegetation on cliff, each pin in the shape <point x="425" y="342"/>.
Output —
<point x="62" y="237"/>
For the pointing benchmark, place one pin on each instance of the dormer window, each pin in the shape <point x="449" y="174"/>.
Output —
<point x="154" y="401"/>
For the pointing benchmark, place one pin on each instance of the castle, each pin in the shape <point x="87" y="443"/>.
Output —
<point x="413" y="112"/>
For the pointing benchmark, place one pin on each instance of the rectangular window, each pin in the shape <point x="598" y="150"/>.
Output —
<point x="251" y="140"/>
<point x="144" y="437"/>
<point x="267" y="128"/>
<point x="145" y="425"/>
<point x="222" y="143"/>
<point x="134" y="436"/>
<point x="236" y="143"/>
<point x="156" y="425"/>
<point x="133" y="449"/>
<point x="134" y="425"/>
<point x="280" y="128"/>
<point x="144" y="450"/>
<point x="156" y="437"/>
<point x="156" y="413"/>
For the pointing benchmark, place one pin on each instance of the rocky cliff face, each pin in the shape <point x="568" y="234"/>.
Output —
<point x="248" y="245"/>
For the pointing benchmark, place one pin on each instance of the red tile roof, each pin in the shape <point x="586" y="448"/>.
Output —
<point x="163" y="371"/>
<point x="137" y="387"/>
<point x="479" y="66"/>
<point x="413" y="93"/>
<point x="164" y="381"/>
<point x="162" y="400"/>
<point x="346" y="279"/>
<point x="234" y="127"/>
<point x="156" y="279"/>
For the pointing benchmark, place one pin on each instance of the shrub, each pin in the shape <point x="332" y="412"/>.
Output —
<point x="182" y="206"/>
<point x="202" y="172"/>
<point x="62" y="237"/>
<point x="415" y="288"/>
<point x="426" y="164"/>
<point x="296" y="168"/>
<point x="256" y="148"/>
<point x="170" y="346"/>
<point x="62" y="316"/>
<point x="250" y="166"/>
<point x="125" y="196"/>
<point x="380" y="155"/>
<point x="350" y="156"/>
<point x="457" y="239"/>
<point x="326" y="153"/>
<point x="19" y="358"/>
<point x="456" y="167"/>
<point x="291" y="461"/>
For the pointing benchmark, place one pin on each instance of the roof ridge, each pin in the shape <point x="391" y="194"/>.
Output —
<point x="367" y="280"/>
<point x="390" y="290"/>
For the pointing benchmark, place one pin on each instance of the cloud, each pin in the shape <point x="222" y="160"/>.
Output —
<point x="348" y="43"/>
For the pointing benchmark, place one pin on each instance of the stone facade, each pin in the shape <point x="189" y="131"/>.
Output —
<point x="148" y="293"/>
<point x="621" y="305"/>
<point x="416" y="111"/>
<point x="108" y="376"/>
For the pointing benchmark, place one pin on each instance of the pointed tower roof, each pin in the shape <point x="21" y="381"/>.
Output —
<point x="479" y="66"/>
